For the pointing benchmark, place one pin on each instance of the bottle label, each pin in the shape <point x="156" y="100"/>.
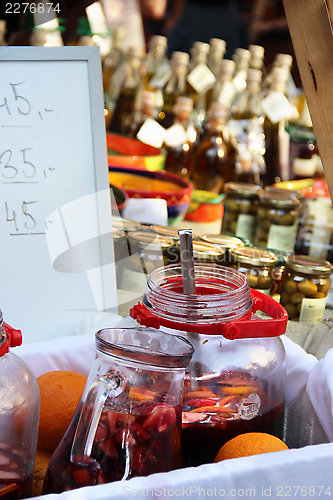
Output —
<point x="239" y="81"/>
<point x="277" y="107"/>
<point x="227" y="94"/>
<point x="249" y="407"/>
<point x="312" y="310"/>
<point x="175" y="135"/>
<point x="246" y="226"/>
<point x="305" y="167"/>
<point x="282" y="237"/>
<point x="201" y="78"/>
<point x="152" y="133"/>
<point x="265" y="292"/>
<point x="161" y="76"/>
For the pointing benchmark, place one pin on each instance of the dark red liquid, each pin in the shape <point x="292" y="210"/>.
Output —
<point x="127" y="444"/>
<point x="213" y="415"/>
<point x="13" y="481"/>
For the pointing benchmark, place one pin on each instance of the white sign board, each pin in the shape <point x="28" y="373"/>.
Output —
<point x="54" y="188"/>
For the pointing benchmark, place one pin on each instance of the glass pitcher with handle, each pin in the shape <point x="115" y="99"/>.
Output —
<point x="128" y="422"/>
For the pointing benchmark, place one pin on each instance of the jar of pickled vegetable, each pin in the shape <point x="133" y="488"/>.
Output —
<point x="223" y="241"/>
<point x="278" y="217"/>
<point x="305" y="284"/>
<point x="257" y="265"/>
<point x="240" y="209"/>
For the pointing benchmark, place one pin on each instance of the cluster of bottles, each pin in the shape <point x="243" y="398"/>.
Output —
<point x="218" y="119"/>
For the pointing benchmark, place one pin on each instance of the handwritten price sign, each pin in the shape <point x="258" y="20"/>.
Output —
<point x="52" y="151"/>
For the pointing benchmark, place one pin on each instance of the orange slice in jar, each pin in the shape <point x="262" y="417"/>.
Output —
<point x="240" y="389"/>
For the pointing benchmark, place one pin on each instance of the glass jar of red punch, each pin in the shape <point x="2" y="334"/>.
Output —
<point x="235" y="381"/>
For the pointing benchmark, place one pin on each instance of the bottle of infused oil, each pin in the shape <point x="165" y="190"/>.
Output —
<point x="146" y="109"/>
<point x="175" y="86"/>
<point x="180" y="139"/>
<point x="215" y="155"/>
<point x="246" y="128"/>
<point x="224" y="90"/>
<point x="157" y="65"/>
<point x="277" y="110"/>
<point x="127" y="101"/>
<point x="113" y="61"/>
<point x="216" y="54"/>
<point x="199" y="80"/>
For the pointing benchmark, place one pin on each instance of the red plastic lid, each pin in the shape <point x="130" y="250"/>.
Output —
<point x="246" y="327"/>
<point x="13" y="338"/>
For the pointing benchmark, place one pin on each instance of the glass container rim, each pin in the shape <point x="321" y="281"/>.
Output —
<point x="144" y="355"/>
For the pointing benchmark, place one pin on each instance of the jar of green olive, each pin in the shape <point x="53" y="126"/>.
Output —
<point x="225" y="242"/>
<point x="305" y="284"/>
<point x="277" y="224"/>
<point x="257" y="265"/>
<point x="240" y="209"/>
<point x="204" y="252"/>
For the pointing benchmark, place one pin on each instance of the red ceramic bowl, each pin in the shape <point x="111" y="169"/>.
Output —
<point x="139" y="183"/>
<point x="127" y="152"/>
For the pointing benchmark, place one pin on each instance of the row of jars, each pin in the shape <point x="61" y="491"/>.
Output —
<point x="269" y="218"/>
<point x="300" y="283"/>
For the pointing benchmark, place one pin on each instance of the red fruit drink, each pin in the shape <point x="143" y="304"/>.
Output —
<point x="13" y="481"/>
<point x="231" y="404"/>
<point x="127" y="444"/>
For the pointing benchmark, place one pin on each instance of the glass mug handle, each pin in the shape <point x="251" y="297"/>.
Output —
<point x="110" y="385"/>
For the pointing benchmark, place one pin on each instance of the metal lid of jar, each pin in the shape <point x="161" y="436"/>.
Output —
<point x="308" y="265"/>
<point x="204" y="251"/>
<point x="297" y="193"/>
<point x="125" y="224"/>
<point x="222" y="240"/>
<point x="118" y="233"/>
<point x="243" y="189"/>
<point x="279" y="200"/>
<point x="144" y="239"/>
<point x="166" y="231"/>
<point x="254" y="256"/>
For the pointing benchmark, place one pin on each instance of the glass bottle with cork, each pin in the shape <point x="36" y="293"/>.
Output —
<point x="200" y="79"/>
<point x="257" y="53"/>
<point x="242" y="59"/>
<point x="246" y="128"/>
<point x="147" y="109"/>
<point x="224" y="90"/>
<point x="175" y="86"/>
<point x="156" y="61"/>
<point x="215" y="155"/>
<point x="217" y="48"/>
<point x="277" y="111"/>
<point x="113" y="61"/>
<point x="127" y="101"/>
<point x="180" y="139"/>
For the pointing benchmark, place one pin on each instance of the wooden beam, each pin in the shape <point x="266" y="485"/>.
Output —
<point x="310" y="27"/>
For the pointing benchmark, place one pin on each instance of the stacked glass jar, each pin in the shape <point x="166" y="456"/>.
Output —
<point x="305" y="284"/>
<point x="240" y="209"/>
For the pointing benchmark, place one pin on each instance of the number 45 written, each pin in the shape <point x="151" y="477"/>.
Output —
<point x="22" y="219"/>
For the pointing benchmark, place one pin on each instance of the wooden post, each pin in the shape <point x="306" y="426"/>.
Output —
<point x="310" y="27"/>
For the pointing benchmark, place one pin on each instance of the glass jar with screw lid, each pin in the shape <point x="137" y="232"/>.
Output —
<point x="240" y="209"/>
<point x="257" y="265"/>
<point x="305" y="284"/>
<point x="278" y="217"/>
